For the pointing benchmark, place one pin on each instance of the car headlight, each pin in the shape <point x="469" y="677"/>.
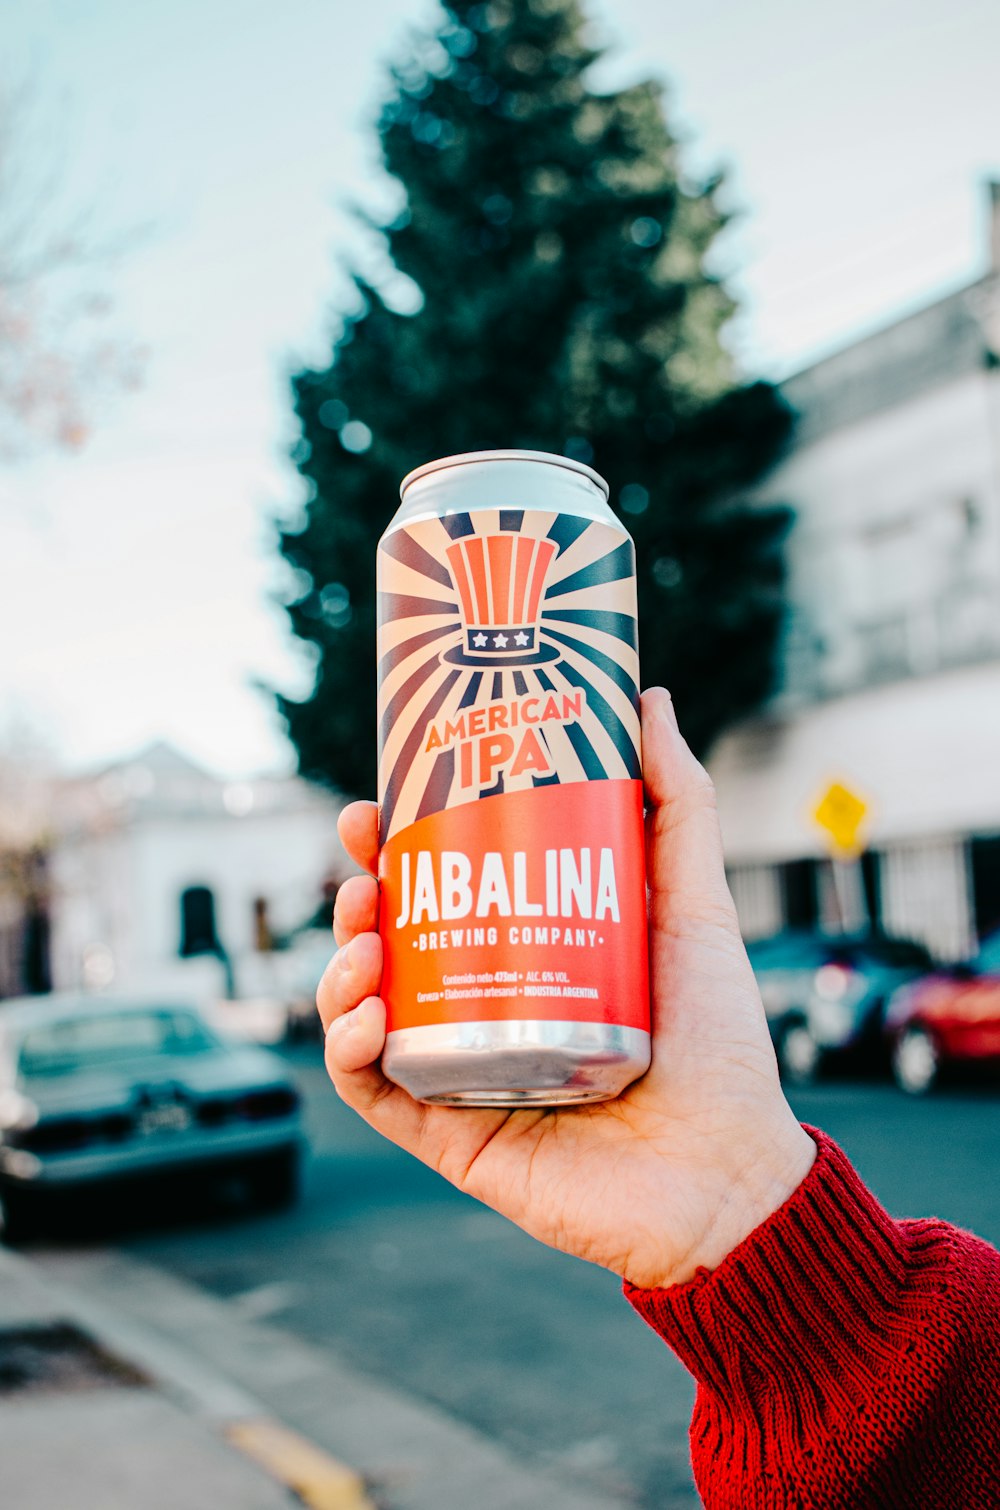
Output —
<point x="831" y="982"/>
<point x="16" y="1112"/>
<point x="831" y="1021"/>
<point x="20" y="1164"/>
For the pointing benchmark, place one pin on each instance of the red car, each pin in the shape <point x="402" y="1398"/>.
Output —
<point x="951" y="1017"/>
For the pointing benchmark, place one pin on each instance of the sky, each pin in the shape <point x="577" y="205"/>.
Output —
<point x="225" y="141"/>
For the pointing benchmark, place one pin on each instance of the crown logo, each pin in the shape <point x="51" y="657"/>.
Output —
<point x="500" y="580"/>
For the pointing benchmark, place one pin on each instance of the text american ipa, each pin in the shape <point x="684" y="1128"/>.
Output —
<point x="513" y="898"/>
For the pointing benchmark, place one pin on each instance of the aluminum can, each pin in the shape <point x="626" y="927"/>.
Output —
<point x="511" y="865"/>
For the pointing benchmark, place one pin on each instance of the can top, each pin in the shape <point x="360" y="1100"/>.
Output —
<point x="468" y="457"/>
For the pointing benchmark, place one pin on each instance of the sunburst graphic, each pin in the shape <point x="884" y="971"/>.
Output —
<point x="454" y="595"/>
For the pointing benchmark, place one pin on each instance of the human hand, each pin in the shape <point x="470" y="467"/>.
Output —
<point x="683" y="1165"/>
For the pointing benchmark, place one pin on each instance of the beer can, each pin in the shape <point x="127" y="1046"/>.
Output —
<point x="511" y="865"/>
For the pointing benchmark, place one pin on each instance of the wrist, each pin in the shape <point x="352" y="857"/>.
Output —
<point x="763" y="1183"/>
<point x="755" y="1177"/>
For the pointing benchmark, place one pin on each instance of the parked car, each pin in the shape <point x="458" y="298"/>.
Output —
<point x="951" y="1017"/>
<point x="825" y="995"/>
<point x="96" y="1090"/>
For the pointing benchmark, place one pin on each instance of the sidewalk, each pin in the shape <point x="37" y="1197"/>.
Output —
<point x="166" y="1398"/>
<point x="82" y="1425"/>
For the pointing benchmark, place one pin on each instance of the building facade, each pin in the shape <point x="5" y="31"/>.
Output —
<point x="891" y="660"/>
<point x="165" y="878"/>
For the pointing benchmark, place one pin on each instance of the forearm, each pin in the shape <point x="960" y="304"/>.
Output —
<point x="842" y="1358"/>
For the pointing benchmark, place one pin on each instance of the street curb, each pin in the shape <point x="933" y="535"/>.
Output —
<point x="313" y="1475"/>
<point x="410" y="1454"/>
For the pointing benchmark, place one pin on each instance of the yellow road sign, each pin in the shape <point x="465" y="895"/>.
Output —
<point x="840" y="813"/>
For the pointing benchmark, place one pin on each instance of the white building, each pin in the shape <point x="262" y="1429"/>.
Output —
<point x="891" y="677"/>
<point x="166" y="878"/>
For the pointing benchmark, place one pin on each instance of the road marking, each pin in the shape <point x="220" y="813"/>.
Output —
<point x="319" y="1480"/>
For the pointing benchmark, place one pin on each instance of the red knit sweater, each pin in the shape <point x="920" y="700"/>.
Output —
<point x="844" y="1361"/>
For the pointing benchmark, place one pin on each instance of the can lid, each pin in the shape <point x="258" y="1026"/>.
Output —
<point x="466" y="458"/>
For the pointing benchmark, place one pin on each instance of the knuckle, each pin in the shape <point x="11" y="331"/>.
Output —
<point x="336" y="986"/>
<point x="352" y="887"/>
<point x="701" y="792"/>
<point x="699" y="801"/>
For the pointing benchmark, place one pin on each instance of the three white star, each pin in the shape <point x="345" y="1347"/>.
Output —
<point x="500" y="640"/>
<point x="479" y="640"/>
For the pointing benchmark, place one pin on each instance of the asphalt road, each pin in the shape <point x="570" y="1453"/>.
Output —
<point x="418" y="1285"/>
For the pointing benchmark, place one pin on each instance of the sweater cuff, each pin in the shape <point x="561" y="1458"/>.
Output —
<point x="815" y="1292"/>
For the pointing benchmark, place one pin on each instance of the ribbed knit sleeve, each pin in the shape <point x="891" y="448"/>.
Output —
<point x="843" y="1359"/>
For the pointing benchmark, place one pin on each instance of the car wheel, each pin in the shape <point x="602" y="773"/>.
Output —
<point x="915" y="1061"/>
<point x="799" y="1055"/>
<point x="276" y="1179"/>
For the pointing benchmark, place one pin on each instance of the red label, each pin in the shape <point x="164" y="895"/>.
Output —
<point x="527" y="904"/>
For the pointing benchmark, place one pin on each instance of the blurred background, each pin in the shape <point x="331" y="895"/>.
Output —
<point x="255" y="264"/>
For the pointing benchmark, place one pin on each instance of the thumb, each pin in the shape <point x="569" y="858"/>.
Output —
<point x="684" y="861"/>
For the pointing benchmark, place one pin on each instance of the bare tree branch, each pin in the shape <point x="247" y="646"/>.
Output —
<point x="61" y="360"/>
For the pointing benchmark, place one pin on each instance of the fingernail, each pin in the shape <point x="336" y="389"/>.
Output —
<point x="365" y="1012"/>
<point x="662" y="704"/>
<point x="665" y="707"/>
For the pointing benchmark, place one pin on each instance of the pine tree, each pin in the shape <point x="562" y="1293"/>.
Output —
<point x="565" y="305"/>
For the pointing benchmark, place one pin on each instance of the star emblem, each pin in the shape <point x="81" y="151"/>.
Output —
<point x="479" y="640"/>
<point x="521" y="639"/>
<point x="500" y="641"/>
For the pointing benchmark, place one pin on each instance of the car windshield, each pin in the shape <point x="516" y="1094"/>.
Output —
<point x="799" y="951"/>
<point x="785" y="950"/>
<point x="106" y="1038"/>
<point x="896" y="954"/>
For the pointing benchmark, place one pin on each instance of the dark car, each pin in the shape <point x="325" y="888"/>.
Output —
<point x="825" y="995"/>
<point x="950" y="1018"/>
<point x="96" y="1090"/>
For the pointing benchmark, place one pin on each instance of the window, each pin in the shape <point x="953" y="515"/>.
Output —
<point x="985" y="855"/>
<point x="198" y="934"/>
<point x="971" y="515"/>
<point x="885" y="645"/>
<point x="871" y="880"/>
<point x="263" y="938"/>
<point x="798" y="882"/>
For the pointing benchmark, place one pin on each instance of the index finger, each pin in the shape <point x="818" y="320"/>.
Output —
<point x="358" y="829"/>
